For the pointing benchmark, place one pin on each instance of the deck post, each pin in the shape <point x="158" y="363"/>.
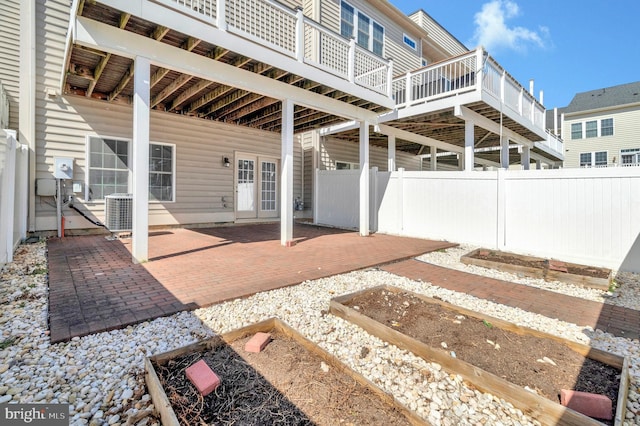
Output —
<point x="525" y="158"/>
<point x="140" y="160"/>
<point x="299" y="34"/>
<point x="364" y="178"/>
<point x="434" y="158"/>
<point x="351" y="66"/>
<point x="504" y="153"/>
<point x="391" y="148"/>
<point x="221" y="15"/>
<point x="469" y="143"/>
<point x="538" y="165"/>
<point x="286" y="175"/>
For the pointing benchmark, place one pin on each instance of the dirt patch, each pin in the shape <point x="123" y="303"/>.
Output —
<point x="508" y="355"/>
<point x="283" y="385"/>
<point x="539" y="263"/>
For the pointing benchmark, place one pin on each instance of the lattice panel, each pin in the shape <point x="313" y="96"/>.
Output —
<point x="201" y="7"/>
<point x="265" y="21"/>
<point x="371" y="71"/>
<point x="326" y="49"/>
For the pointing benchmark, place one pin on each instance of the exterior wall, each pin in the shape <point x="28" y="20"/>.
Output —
<point x="626" y="134"/>
<point x="332" y="150"/>
<point x="10" y="55"/>
<point x="438" y="35"/>
<point x="63" y="124"/>
<point x="404" y="58"/>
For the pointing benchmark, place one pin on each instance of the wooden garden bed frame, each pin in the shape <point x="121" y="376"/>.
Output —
<point x="544" y="273"/>
<point x="168" y="416"/>
<point x="538" y="407"/>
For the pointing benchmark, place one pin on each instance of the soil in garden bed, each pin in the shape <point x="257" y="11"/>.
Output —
<point x="514" y="259"/>
<point x="283" y="385"/>
<point x="508" y="355"/>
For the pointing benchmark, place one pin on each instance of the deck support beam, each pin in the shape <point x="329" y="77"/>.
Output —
<point x="525" y="158"/>
<point x="391" y="153"/>
<point x="364" y="178"/>
<point x="504" y="153"/>
<point x="469" y="145"/>
<point x="140" y="160"/>
<point x="286" y="175"/>
<point x="433" y="163"/>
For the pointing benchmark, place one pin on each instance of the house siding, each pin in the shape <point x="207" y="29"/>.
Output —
<point x="404" y="58"/>
<point x="333" y="149"/>
<point x="63" y="124"/>
<point x="437" y="34"/>
<point x="10" y="56"/>
<point x="626" y="134"/>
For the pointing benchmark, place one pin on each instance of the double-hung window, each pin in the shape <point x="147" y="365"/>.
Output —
<point x="606" y="127"/>
<point x="591" y="129"/>
<point x="593" y="159"/>
<point x="356" y="24"/>
<point x="576" y="131"/>
<point x="110" y="166"/>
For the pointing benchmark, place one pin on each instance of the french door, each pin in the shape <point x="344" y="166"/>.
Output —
<point x="257" y="191"/>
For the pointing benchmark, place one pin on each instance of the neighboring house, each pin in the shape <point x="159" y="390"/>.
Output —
<point x="601" y="127"/>
<point x="217" y="112"/>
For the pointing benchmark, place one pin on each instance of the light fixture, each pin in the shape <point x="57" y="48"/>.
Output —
<point x="226" y="162"/>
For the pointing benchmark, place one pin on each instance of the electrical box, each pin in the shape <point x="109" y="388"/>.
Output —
<point x="63" y="168"/>
<point x="46" y="187"/>
<point x="77" y="187"/>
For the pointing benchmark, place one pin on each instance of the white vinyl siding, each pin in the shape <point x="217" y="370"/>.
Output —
<point x="438" y="35"/>
<point x="10" y="56"/>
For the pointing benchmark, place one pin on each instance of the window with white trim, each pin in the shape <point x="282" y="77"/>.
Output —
<point x="591" y="129"/>
<point x="367" y="32"/>
<point x="606" y="127"/>
<point x="109" y="169"/>
<point x="345" y="165"/>
<point x="593" y="159"/>
<point x="409" y="42"/>
<point x="576" y="131"/>
<point x="161" y="172"/>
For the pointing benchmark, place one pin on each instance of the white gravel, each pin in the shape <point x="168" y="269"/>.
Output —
<point x="99" y="374"/>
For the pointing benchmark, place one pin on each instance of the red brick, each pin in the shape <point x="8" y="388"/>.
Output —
<point x="258" y="342"/>
<point x="203" y="377"/>
<point x="589" y="404"/>
<point x="291" y="243"/>
<point x="556" y="265"/>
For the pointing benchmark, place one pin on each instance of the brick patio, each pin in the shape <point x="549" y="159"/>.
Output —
<point x="95" y="287"/>
<point x="616" y="320"/>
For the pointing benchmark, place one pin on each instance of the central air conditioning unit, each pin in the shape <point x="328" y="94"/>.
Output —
<point x="118" y="212"/>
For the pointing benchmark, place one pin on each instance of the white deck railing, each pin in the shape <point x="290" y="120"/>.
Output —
<point x="462" y="74"/>
<point x="288" y="31"/>
<point x="554" y="142"/>
<point x="4" y="108"/>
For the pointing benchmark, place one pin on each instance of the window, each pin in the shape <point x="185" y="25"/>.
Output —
<point x="606" y="127"/>
<point x="593" y="159"/>
<point x="344" y="165"/>
<point x="591" y="130"/>
<point x="424" y="62"/>
<point x="109" y="169"/>
<point x="409" y="41"/>
<point x="585" y="159"/>
<point x="161" y="173"/>
<point x="355" y="24"/>
<point x="601" y="159"/>
<point x="576" y="131"/>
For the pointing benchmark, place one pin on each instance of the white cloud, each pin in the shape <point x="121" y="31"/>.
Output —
<point x="494" y="34"/>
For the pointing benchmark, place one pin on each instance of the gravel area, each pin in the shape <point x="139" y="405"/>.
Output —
<point x="99" y="375"/>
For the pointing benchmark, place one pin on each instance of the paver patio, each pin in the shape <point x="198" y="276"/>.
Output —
<point x="616" y="320"/>
<point x="95" y="287"/>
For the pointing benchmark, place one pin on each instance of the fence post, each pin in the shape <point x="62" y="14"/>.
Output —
<point x="401" y="200"/>
<point x="299" y="35"/>
<point x="408" y="89"/>
<point x="316" y="186"/>
<point x="373" y="199"/>
<point x="7" y="191"/>
<point x="501" y="219"/>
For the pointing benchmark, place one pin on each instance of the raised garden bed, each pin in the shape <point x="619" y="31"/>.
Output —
<point x="537" y="267"/>
<point x="493" y="355"/>
<point x="291" y="382"/>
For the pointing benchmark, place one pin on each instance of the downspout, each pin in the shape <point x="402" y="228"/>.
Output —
<point x="27" y="97"/>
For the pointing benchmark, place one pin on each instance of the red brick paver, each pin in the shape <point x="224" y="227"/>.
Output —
<point x="616" y="320"/>
<point x="94" y="286"/>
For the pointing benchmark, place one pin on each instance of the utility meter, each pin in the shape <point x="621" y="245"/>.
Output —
<point x="63" y="168"/>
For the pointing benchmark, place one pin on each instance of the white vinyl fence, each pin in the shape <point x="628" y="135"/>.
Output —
<point x="589" y="216"/>
<point x="13" y="193"/>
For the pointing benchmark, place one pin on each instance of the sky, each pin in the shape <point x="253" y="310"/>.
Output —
<point x="566" y="46"/>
